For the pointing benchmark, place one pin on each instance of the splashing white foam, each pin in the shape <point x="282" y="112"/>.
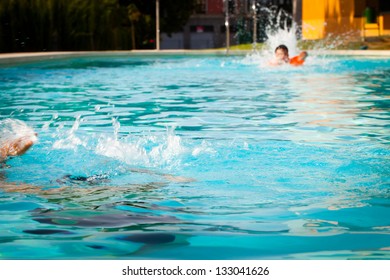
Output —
<point x="280" y="30"/>
<point x="130" y="153"/>
<point x="146" y="150"/>
<point x="116" y="126"/>
<point x="286" y="36"/>
<point x="70" y="140"/>
<point x="166" y="150"/>
<point x="169" y="150"/>
<point x="204" y="148"/>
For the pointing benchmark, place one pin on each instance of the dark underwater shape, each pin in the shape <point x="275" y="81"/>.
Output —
<point x="98" y="247"/>
<point x="150" y="238"/>
<point x="91" y="180"/>
<point x="46" y="231"/>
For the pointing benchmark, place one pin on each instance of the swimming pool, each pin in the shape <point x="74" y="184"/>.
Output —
<point x="198" y="157"/>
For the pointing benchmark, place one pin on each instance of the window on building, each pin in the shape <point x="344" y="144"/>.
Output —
<point x="232" y="29"/>
<point x="384" y="5"/>
<point x="200" y="6"/>
<point x="201" y="28"/>
<point x="232" y="6"/>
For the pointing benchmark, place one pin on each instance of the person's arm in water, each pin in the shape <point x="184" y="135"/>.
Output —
<point x="299" y="59"/>
<point x="15" y="147"/>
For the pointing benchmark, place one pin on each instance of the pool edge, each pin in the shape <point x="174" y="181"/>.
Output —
<point x="10" y="58"/>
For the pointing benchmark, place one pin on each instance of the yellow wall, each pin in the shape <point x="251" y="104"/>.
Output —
<point x="339" y="17"/>
<point x="324" y="17"/>
<point x="321" y="18"/>
<point x="313" y="19"/>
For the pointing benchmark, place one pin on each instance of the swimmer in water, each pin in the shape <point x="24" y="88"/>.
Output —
<point x="15" y="138"/>
<point x="282" y="57"/>
<point x="299" y="59"/>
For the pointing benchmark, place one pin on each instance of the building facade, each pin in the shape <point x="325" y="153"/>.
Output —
<point x="206" y="28"/>
<point x="318" y="19"/>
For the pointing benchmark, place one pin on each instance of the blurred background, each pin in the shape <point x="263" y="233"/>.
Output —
<point x="52" y="25"/>
<point x="68" y="25"/>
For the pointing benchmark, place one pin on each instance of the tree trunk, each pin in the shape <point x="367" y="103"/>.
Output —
<point x="132" y="36"/>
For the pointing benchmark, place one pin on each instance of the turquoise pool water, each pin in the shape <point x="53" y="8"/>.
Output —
<point x="198" y="157"/>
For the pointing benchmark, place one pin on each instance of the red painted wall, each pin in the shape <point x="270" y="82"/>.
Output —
<point x="215" y="6"/>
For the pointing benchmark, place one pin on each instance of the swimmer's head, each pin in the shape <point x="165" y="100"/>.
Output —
<point x="281" y="53"/>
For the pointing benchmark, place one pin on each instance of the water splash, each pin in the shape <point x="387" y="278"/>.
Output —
<point x="47" y="124"/>
<point x="285" y="36"/>
<point x="116" y="125"/>
<point x="279" y="31"/>
<point x="164" y="150"/>
<point x="146" y="150"/>
<point x="280" y="28"/>
<point x="70" y="140"/>
<point x="168" y="151"/>
<point x="130" y="153"/>
<point x="204" y="148"/>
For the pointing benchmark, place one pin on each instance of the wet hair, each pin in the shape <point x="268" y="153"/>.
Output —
<point x="282" y="47"/>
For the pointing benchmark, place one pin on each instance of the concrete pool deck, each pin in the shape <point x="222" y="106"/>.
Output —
<point x="11" y="58"/>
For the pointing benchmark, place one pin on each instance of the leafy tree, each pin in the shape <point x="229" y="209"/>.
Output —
<point x="134" y="16"/>
<point x="47" y="25"/>
<point x="174" y="14"/>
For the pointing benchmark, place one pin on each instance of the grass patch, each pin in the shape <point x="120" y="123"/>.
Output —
<point x="244" y="47"/>
<point x="338" y="43"/>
